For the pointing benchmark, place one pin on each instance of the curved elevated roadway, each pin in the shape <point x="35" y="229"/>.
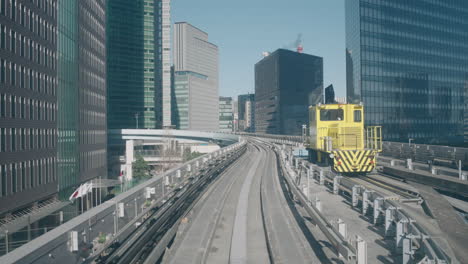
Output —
<point x="243" y="218"/>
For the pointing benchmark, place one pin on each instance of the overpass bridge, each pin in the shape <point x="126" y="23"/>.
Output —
<point x="254" y="201"/>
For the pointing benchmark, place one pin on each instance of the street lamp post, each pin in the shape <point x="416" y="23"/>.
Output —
<point x="136" y="119"/>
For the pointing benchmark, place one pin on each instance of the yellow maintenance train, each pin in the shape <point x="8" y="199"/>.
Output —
<point x="338" y="138"/>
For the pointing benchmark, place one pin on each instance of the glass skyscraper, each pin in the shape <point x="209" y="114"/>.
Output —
<point x="286" y="84"/>
<point x="407" y="61"/>
<point x="138" y="64"/>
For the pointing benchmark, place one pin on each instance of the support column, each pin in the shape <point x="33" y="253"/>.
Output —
<point x="322" y="177"/>
<point x="361" y="248"/>
<point x="318" y="204"/>
<point x="389" y="219"/>
<point x="336" y="184"/>
<point x="401" y="231"/>
<point x="355" y="195"/>
<point x="378" y="202"/>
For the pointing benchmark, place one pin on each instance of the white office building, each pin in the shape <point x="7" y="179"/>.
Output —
<point x="195" y="91"/>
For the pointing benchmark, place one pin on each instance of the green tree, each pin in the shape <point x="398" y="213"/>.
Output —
<point x="191" y="155"/>
<point x="140" y="167"/>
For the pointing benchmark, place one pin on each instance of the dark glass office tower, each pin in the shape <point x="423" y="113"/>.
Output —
<point x="28" y="102"/>
<point x="82" y="137"/>
<point x="407" y="61"/>
<point x="286" y="83"/>
<point x="139" y="68"/>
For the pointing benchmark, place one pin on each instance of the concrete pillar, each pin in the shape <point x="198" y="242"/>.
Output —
<point x="336" y="184"/>
<point x="365" y="201"/>
<point x="355" y="195"/>
<point x="342" y="228"/>
<point x="179" y="173"/>
<point x="189" y="167"/>
<point x="197" y="164"/>
<point x="434" y="171"/>
<point x="389" y="218"/>
<point x="361" y="250"/>
<point x="318" y="204"/>
<point x="392" y="163"/>
<point x="408" y="251"/>
<point x="409" y="163"/>
<point x="401" y="230"/>
<point x="166" y="180"/>
<point x="60" y="217"/>
<point x="378" y="202"/>
<point x="322" y="177"/>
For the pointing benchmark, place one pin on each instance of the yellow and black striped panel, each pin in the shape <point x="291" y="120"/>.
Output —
<point x="353" y="160"/>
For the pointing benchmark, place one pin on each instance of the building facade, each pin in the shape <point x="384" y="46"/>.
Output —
<point x="138" y="63"/>
<point x="52" y="99"/>
<point x="242" y="101"/>
<point x="286" y="84"/>
<point x="407" y="61"/>
<point x="226" y="116"/>
<point x="28" y="103"/>
<point x="195" y="89"/>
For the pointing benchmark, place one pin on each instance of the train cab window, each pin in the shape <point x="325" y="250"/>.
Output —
<point x="331" y="115"/>
<point x="357" y="116"/>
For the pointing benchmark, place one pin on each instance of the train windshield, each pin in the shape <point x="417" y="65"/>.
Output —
<point x="331" y="115"/>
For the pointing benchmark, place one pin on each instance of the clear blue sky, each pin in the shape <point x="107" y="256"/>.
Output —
<point x="243" y="29"/>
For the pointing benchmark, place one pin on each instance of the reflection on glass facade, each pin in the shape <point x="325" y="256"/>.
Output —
<point x="138" y="64"/>
<point x="407" y="61"/>
<point x="67" y="94"/>
<point x="286" y="84"/>
<point x="81" y="119"/>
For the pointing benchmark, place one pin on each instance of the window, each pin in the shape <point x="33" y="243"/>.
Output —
<point x="357" y="116"/>
<point x="3" y="175"/>
<point x="23" y="139"/>
<point x="31" y="173"/>
<point x="13" y="106"/>
<point x="331" y="115"/>
<point x="13" y="139"/>
<point x="2" y="36"/>
<point x="13" y="42"/>
<point x="3" y="7"/>
<point x="14" y="179"/>
<point x="13" y="74"/>
<point x="3" y="139"/>
<point x="31" y="138"/>
<point x="2" y="105"/>
<point x="23" y="175"/>
<point x="2" y="71"/>
<point x="23" y="107"/>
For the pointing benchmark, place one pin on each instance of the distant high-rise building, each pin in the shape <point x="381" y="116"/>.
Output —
<point x="242" y="100"/>
<point x="330" y="95"/>
<point x="138" y="48"/>
<point x="249" y="116"/>
<point x="52" y="99"/>
<point x="407" y="61"/>
<point x="195" y="89"/>
<point x="226" y="116"/>
<point x="286" y="84"/>
<point x="235" y="114"/>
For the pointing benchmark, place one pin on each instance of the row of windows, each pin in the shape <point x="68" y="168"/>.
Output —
<point x="27" y="18"/>
<point x="20" y="107"/>
<point x="92" y="117"/>
<point x="92" y="137"/>
<point x="93" y="159"/>
<point x="21" y="139"/>
<point x="19" y="76"/>
<point x="16" y="177"/>
<point x="26" y="48"/>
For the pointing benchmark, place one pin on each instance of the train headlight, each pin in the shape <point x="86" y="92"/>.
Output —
<point x="331" y="156"/>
